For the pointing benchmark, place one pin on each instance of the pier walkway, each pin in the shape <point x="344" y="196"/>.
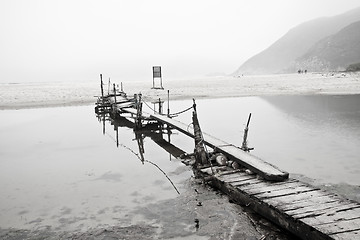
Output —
<point x="305" y="211"/>
<point x="253" y="163"/>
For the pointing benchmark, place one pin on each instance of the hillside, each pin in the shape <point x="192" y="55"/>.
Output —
<point x="280" y="57"/>
<point x="335" y="52"/>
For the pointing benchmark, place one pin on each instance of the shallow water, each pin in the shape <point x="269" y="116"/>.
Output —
<point x="315" y="136"/>
<point x="58" y="169"/>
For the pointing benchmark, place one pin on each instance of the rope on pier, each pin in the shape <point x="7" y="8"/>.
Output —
<point x="172" y="114"/>
<point x="150" y="107"/>
<point x="187" y="129"/>
<point x="178" y="113"/>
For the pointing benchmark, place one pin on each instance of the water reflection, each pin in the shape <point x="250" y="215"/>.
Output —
<point x="340" y="111"/>
<point x="157" y="132"/>
<point x="153" y="130"/>
<point x="57" y="170"/>
<point x="323" y="134"/>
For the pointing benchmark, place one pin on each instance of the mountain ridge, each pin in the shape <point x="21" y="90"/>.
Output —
<point x="281" y="56"/>
<point x="335" y="52"/>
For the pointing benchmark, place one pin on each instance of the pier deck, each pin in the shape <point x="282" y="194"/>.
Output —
<point x="304" y="210"/>
<point x="253" y="163"/>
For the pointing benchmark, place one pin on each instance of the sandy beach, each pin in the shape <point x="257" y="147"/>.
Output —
<point x="49" y="94"/>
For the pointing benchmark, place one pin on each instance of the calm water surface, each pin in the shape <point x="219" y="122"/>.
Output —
<point x="316" y="136"/>
<point x="58" y="169"/>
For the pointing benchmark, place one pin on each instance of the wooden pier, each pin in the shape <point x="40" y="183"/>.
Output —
<point x="253" y="163"/>
<point x="303" y="210"/>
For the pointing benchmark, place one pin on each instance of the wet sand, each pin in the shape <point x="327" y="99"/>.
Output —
<point x="198" y="213"/>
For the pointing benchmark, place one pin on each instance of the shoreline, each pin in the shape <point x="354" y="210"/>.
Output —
<point x="61" y="94"/>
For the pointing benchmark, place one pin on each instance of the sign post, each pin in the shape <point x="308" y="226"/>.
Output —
<point x="157" y="74"/>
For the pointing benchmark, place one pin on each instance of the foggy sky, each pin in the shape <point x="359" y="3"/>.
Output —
<point x="76" y="40"/>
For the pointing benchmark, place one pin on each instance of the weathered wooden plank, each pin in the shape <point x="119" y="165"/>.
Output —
<point x="332" y="216"/>
<point x="325" y="213"/>
<point x="312" y="207"/>
<point x="255" y="164"/>
<point x="236" y="177"/>
<point x="269" y="184"/>
<point x="245" y="182"/>
<point x="316" y="200"/>
<point x="241" y="179"/>
<point x="231" y="171"/>
<point x="209" y="170"/>
<point x="284" y="200"/>
<point x="285" y="192"/>
<point x="329" y="212"/>
<point x="346" y="235"/>
<point x="254" y="189"/>
<point x="340" y="226"/>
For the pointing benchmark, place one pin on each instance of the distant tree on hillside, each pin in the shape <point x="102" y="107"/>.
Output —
<point x="353" y="67"/>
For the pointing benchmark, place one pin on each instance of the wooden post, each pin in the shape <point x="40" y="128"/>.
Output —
<point x="168" y="110"/>
<point x="244" y="145"/>
<point x="138" y="113"/>
<point x="114" y="105"/>
<point x="200" y="154"/>
<point x="109" y="86"/>
<point x="194" y="105"/>
<point x="160" y="106"/>
<point x="103" y="120"/>
<point x="102" y="88"/>
<point x="117" y="135"/>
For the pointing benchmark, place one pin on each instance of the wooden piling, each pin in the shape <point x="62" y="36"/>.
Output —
<point x="244" y="145"/>
<point x="102" y="87"/>
<point x="200" y="153"/>
<point x="138" y="118"/>
<point x="115" y="103"/>
<point x="168" y="98"/>
<point x="160" y="106"/>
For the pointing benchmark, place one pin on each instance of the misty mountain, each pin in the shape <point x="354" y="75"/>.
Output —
<point x="290" y="50"/>
<point x="335" y="52"/>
